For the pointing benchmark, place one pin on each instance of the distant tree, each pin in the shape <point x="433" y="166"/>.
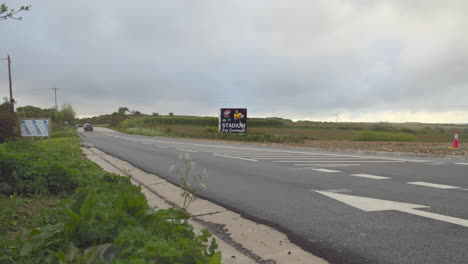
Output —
<point x="8" y="122"/>
<point x="155" y="114"/>
<point x="6" y="13"/>
<point x="123" y="110"/>
<point x="67" y="113"/>
<point x="5" y="105"/>
<point x="136" y="113"/>
<point x="32" y="111"/>
<point x="171" y="114"/>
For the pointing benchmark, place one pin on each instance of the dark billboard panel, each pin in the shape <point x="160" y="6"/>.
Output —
<point x="233" y="120"/>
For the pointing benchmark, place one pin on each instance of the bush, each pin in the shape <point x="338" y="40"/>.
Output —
<point x="368" y="135"/>
<point x="44" y="167"/>
<point x="9" y="126"/>
<point x="107" y="221"/>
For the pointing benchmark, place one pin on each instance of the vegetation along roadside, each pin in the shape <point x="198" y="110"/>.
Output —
<point x="58" y="207"/>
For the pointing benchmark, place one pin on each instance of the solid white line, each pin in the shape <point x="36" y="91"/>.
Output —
<point x="187" y="150"/>
<point x="344" y="161"/>
<point x="318" y="158"/>
<point x="283" y="155"/>
<point x="285" y="151"/>
<point x="370" y="176"/>
<point x="326" y="170"/>
<point x="461" y="163"/>
<point x="434" y="185"/>
<point x="233" y="157"/>
<point x="323" y="164"/>
<point x="329" y="165"/>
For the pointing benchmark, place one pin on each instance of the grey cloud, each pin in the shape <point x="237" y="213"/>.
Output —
<point x="287" y="58"/>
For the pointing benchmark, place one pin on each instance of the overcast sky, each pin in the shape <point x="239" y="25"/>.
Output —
<point x="367" y="60"/>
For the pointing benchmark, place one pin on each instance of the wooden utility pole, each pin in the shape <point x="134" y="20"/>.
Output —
<point x="12" y="101"/>
<point x="55" y="92"/>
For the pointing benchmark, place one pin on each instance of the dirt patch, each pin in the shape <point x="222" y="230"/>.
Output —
<point x="408" y="147"/>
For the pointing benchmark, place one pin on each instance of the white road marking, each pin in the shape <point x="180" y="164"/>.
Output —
<point x="161" y="146"/>
<point x="461" y="163"/>
<point x="344" y="161"/>
<point x="371" y="205"/>
<point x="329" y="165"/>
<point x="370" y="176"/>
<point x="295" y="157"/>
<point x="187" y="150"/>
<point x="233" y="157"/>
<point x="436" y="163"/>
<point x="334" y="191"/>
<point x="283" y="151"/>
<point x="326" y="170"/>
<point x="434" y="185"/>
<point x="283" y="155"/>
<point x="289" y="152"/>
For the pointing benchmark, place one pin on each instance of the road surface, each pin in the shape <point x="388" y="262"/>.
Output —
<point x="344" y="207"/>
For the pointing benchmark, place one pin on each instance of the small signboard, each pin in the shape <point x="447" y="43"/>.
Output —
<point x="37" y="127"/>
<point x="233" y="120"/>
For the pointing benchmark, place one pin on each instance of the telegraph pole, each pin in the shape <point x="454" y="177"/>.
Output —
<point x="55" y="92"/>
<point x="12" y="101"/>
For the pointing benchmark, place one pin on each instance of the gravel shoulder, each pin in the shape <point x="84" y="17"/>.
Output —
<point x="405" y="147"/>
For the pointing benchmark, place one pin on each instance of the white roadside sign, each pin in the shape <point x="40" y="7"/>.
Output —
<point x="35" y="127"/>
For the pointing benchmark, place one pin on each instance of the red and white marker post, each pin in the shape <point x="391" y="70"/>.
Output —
<point x="455" y="140"/>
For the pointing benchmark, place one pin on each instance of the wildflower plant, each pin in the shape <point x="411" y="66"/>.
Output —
<point x="190" y="184"/>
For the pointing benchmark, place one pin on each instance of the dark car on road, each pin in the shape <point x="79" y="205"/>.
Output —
<point x="88" y="127"/>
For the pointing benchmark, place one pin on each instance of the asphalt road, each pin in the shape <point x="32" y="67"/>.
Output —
<point x="335" y="205"/>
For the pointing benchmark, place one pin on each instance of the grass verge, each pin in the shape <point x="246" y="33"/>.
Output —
<point x="58" y="207"/>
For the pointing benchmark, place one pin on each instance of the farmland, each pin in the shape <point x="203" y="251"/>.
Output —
<point x="382" y="136"/>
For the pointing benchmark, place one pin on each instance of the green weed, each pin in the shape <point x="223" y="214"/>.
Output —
<point x="384" y="136"/>
<point x="80" y="214"/>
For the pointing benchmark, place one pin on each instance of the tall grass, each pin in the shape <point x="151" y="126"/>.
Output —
<point x="368" y="135"/>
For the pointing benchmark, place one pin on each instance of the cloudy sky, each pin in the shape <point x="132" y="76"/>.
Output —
<point x="367" y="60"/>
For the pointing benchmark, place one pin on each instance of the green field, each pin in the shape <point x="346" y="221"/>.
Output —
<point x="286" y="131"/>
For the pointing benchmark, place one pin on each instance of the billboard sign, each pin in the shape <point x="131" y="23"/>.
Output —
<point x="233" y="120"/>
<point x="39" y="127"/>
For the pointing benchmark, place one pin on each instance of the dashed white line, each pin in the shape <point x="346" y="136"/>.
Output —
<point x="370" y="176"/>
<point x="329" y="165"/>
<point x="161" y="146"/>
<point x="434" y="185"/>
<point x="283" y="151"/>
<point x="326" y="170"/>
<point x="461" y="163"/>
<point x="233" y="157"/>
<point x="187" y="150"/>
<point x="334" y="191"/>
